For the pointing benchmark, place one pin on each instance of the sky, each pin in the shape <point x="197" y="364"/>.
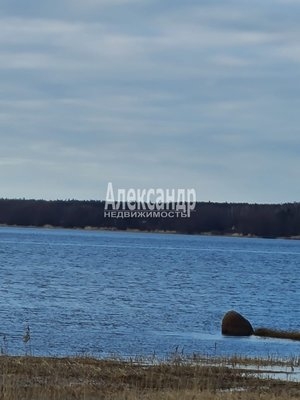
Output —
<point x="150" y="94"/>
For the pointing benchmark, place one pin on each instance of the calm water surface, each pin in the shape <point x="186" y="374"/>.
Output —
<point x="105" y="293"/>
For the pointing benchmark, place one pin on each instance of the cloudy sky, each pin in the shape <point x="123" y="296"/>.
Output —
<point x="150" y="94"/>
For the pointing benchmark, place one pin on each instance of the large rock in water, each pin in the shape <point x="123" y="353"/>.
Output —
<point x="234" y="324"/>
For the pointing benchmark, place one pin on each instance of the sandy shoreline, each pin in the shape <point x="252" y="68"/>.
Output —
<point x="167" y="232"/>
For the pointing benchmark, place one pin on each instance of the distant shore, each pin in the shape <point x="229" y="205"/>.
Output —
<point x="104" y="229"/>
<point x="204" y="218"/>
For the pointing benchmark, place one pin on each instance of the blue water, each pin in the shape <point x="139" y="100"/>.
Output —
<point x="127" y="294"/>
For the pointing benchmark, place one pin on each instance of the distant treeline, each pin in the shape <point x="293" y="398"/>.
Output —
<point x="263" y="220"/>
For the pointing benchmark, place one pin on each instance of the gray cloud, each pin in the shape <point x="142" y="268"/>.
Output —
<point x="146" y="94"/>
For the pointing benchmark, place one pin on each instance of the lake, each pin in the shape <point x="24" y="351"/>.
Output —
<point x="137" y="294"/>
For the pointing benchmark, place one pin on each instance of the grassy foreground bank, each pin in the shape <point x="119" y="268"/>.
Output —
<point x="45" y="378"/>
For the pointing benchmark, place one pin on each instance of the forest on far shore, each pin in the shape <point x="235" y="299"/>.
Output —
<point x="262" y="220"/>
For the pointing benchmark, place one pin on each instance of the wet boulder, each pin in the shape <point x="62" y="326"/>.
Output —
<point x="234" y="324"/>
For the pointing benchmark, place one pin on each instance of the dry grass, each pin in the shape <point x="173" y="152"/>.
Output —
<point x="44" y="378"/>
